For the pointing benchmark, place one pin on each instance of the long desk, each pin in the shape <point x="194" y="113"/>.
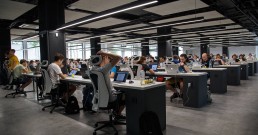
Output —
<point x="250" y="68"/>
<point x="233" y="73"/>
<point x="218" y="78"/>
<point x="138" y="99"/>
<point x="255" y="66"/>
<point x="196" y="94"/>
<point x="34" y="77"/>
<point x="244" y="70"/>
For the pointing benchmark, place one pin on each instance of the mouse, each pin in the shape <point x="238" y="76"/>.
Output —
<point x="131" y="82"/>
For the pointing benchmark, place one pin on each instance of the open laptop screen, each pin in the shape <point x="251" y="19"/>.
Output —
<point x="72" y="72"/>
<point x="120" y="76"/>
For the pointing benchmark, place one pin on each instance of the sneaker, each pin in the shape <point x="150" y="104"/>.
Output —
<point x="175" y="95"/>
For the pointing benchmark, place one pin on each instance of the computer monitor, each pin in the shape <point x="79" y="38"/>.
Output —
<point x="120" y="76"/>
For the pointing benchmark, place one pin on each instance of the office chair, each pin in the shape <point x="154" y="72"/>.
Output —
<point x="15" y="82"/>
<point x="101" y="100"/>
<point x="54" y="93"/>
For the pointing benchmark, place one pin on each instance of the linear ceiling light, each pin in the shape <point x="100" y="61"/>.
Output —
<point x="30" y="37"/>
<point x="94" y="17"/>
<point x="186" y="21"/>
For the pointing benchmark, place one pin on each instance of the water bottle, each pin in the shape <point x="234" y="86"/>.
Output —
<point x="142" y="76"/>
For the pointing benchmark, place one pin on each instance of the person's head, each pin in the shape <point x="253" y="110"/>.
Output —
<point x="31" y="62"/>
<point x="23" y="62"/>
<point x="105" y="61"/>
<point x="250" y="55"/>
<point x="234" y="56"/>
<point x="142" y="60"/>
<point x="126" y="59"/>
<point x="12" y="52"/>
<point x="162" y="59"/>
<point x="37" y="61"/>
<point x="205" y="57"/>
<point x="195" y="57"/>
<point x="241" y="56"/>
<point x="151" y="59"/>
<point x="218" y="56"/>
<point x="183" y="58"/>
<point x="175" y="57"/>
<point x="59" y="58"/>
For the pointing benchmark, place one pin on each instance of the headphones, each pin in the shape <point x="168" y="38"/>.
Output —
<point x="95" y="60"/>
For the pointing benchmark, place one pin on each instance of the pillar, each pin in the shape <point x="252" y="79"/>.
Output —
<point x="5" y="43"/>
<point x="204" y="46"/>
<point x="94" y="45"/>
<point x="145" y="48"/>
<point x="164" y="46"/>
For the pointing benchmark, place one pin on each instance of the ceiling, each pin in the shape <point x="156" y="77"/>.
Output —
<point x="234" y="16"/>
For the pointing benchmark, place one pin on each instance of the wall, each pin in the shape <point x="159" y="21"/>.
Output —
<point x="217" y="50"/>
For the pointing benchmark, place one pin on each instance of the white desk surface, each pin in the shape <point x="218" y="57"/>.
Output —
<point x="181" y="74"/>
<point x="136" y="85"/>
<point x="210" y="69"/>
<point x="228" y="66"/>
<point x="33" y="75"/>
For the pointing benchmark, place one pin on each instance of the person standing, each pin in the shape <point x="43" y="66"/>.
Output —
<point x="13" y="60"/>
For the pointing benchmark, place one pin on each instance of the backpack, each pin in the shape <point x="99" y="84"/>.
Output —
<point x="88" y="93"/>
<point x="149" y="124"/>
<point x="72" y="106"/>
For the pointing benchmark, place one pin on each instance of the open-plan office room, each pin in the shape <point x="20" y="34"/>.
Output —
<point x="128" y="67"/>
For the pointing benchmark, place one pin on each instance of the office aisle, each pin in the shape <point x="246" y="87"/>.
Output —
<point x="234" y="113"/>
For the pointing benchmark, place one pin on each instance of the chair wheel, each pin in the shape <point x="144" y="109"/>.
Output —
<point x="5" y="96"/>
<point x="96" y="125"/>
<point x="51" y="112"/>
<point x="43" y="109"/>
<point x="14" y="96"/>
<point x="25" y="94"/>
<point x="94" y="133"/>
<point x="116" y="133"/>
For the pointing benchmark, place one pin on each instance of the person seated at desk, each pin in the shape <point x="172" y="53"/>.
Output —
<point x="145" y="67"/>
<point x="108" y="62"/>
<point x="162" y="61"/>
<point x="250" y="57"/>
<point x="17" y="74"/>
<point x="195" y="58"/>
<point x="242" y="57"/>
<point x="173" y="83"/>
<point x="235" y="59"/>
<point x="218" y="60"/>
<point x="206" y="60"/>
<point x="32" y="65"/>
<point x="55" y="73"/>
<point x="175" y="59"/>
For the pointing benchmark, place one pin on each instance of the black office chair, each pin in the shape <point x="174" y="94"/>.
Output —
<point x="53" y="94"/>
<point x="101" y="101"/>
<point x="15" y="82"/>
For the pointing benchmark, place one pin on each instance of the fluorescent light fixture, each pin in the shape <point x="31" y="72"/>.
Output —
<point x="179" y="22"/>
<point x="108" y="14"/>
<point x="154" y="27"/>
<point x="30" y="37"/>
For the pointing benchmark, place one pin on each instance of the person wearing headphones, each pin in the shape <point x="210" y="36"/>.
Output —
<point x="105" y="65"/>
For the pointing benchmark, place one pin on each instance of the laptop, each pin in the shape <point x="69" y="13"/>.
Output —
<point x="120" y="77"/>
<point x="172" y="68"/>
<point x="196" y="65"/>
<point x="72" y="72"/>
<point x="154" y="67"/>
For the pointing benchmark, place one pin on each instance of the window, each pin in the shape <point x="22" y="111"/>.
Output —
<point x="33" y="50"/>
<point x="153" y="50"/>
<point x="18" y="46"/>
<point x="74" y="50"/>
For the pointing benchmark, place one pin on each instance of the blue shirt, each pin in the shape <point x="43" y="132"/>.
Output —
<point x="176" y="61"/>
<point x="113" y="70"/>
